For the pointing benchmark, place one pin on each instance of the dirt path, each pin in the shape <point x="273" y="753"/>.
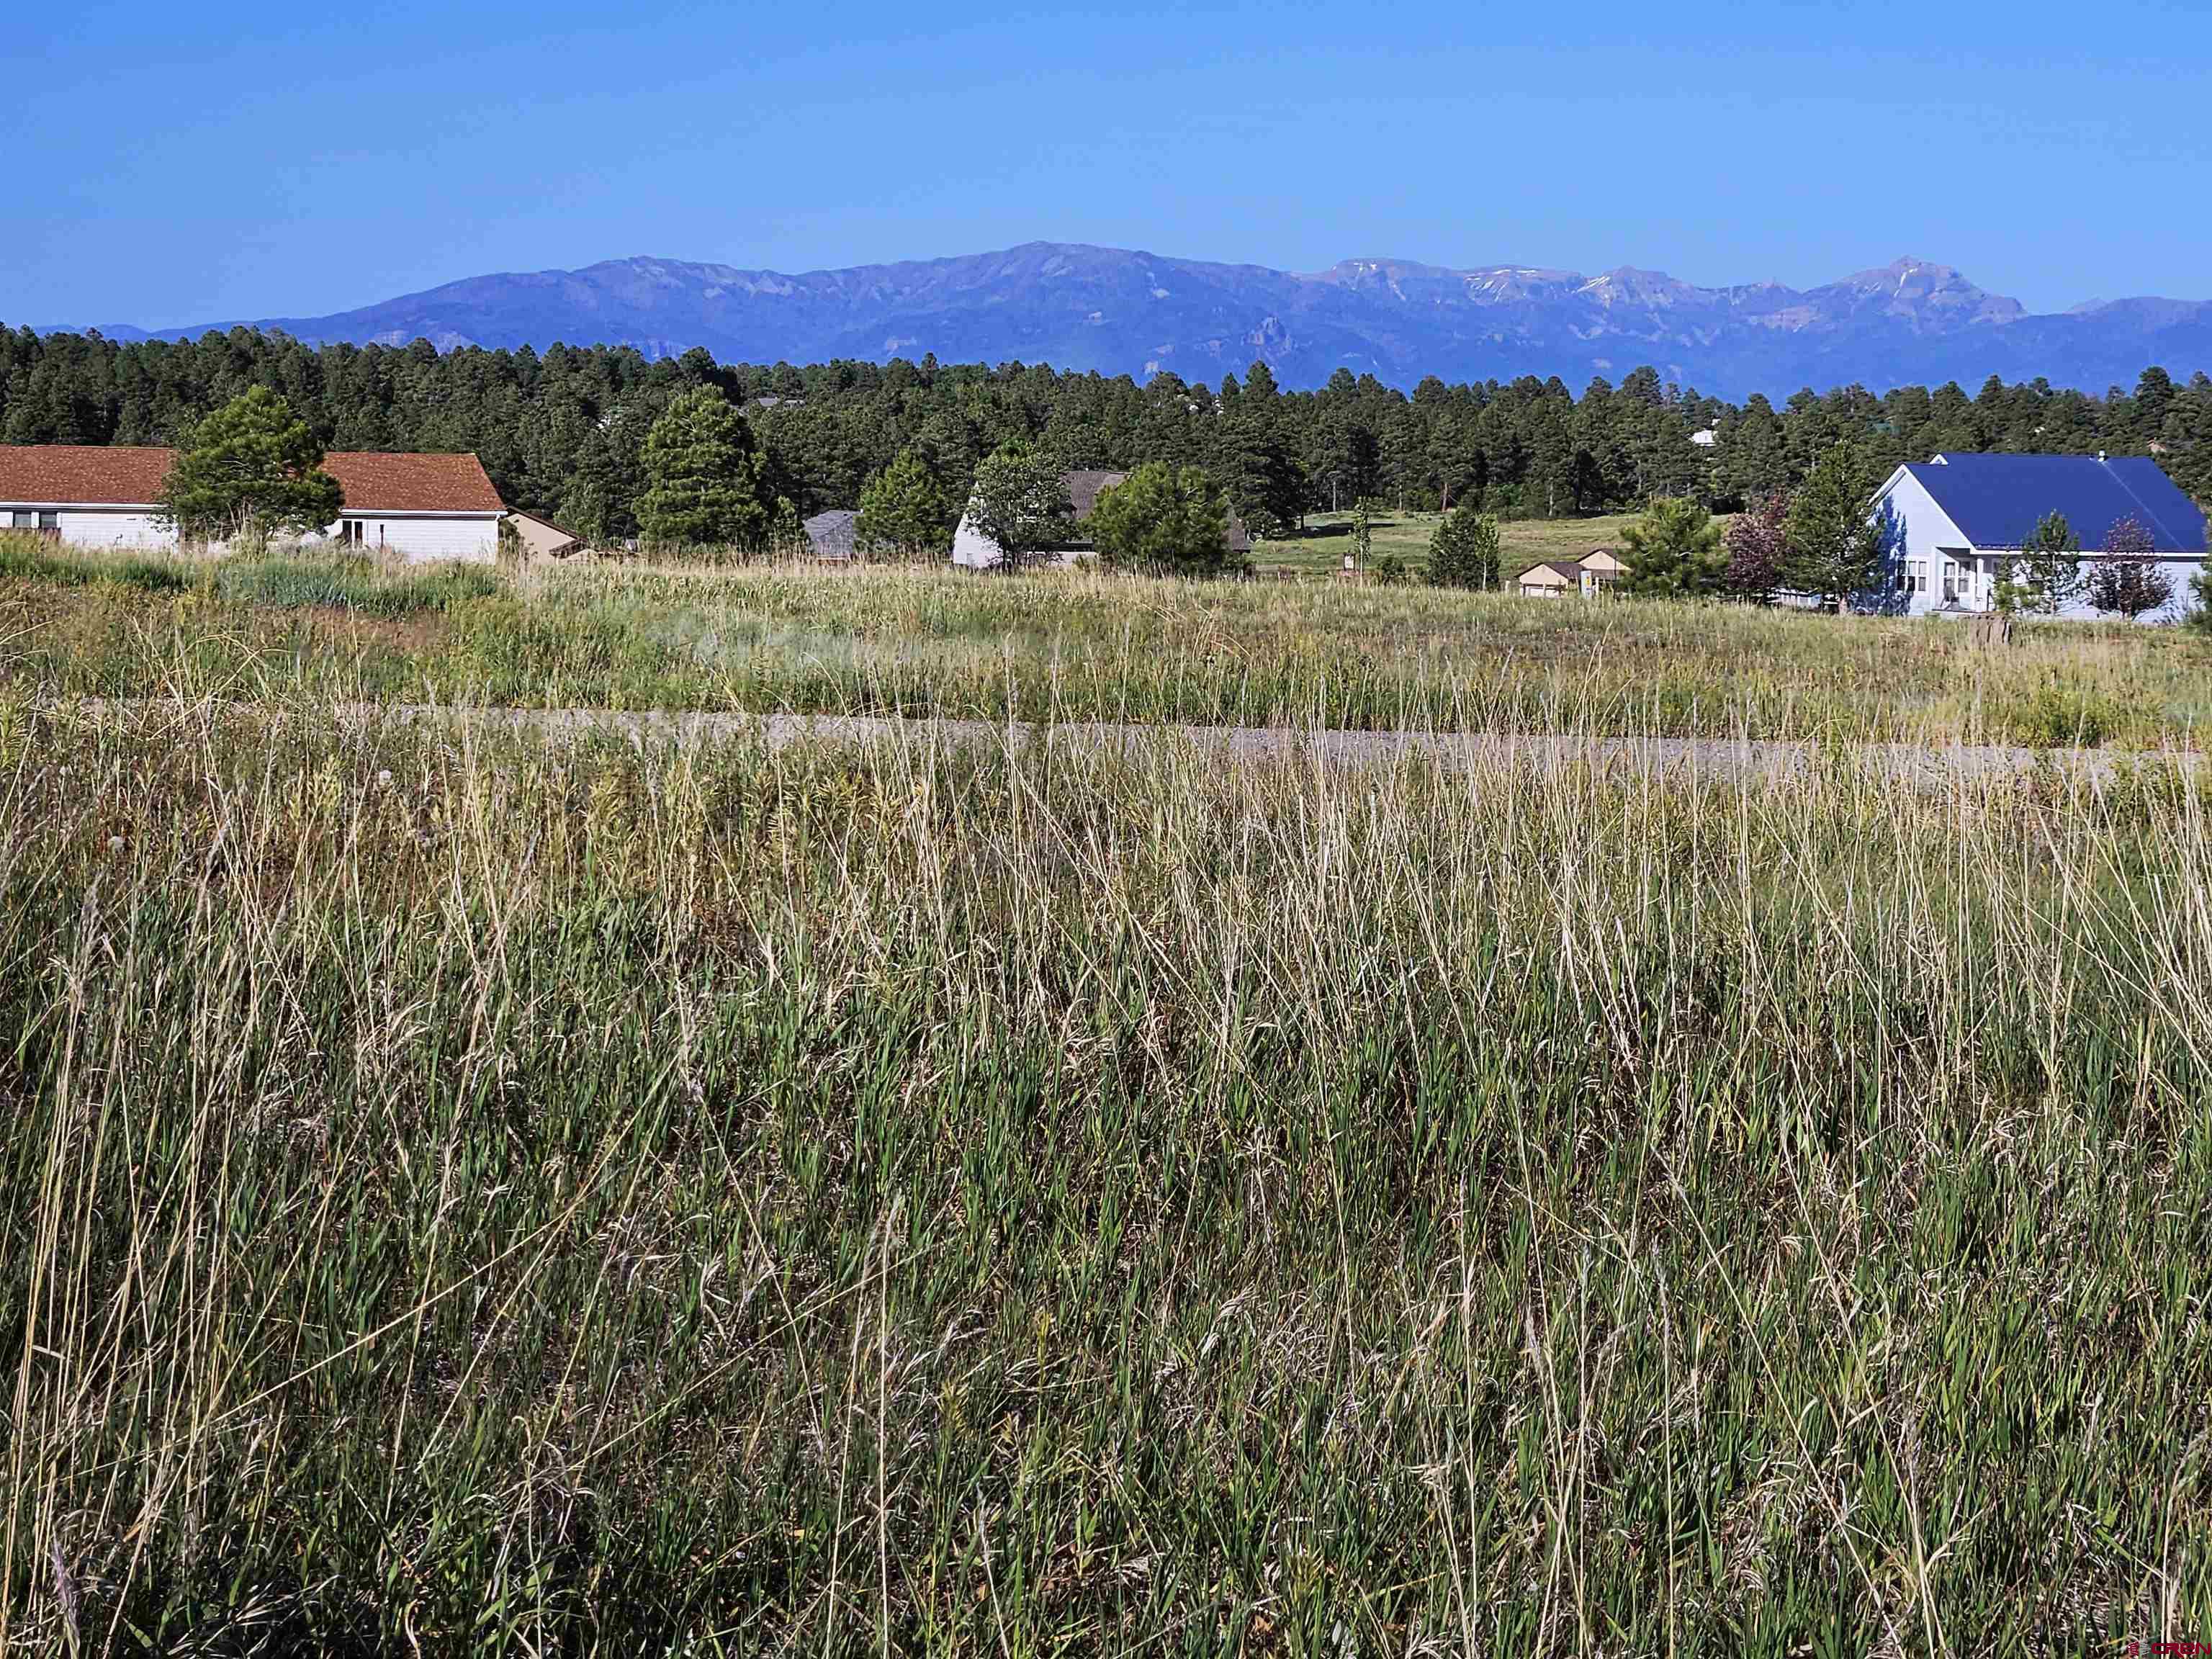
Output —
<point x="1719" y="759"/>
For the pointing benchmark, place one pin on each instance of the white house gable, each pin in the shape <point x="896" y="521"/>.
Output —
<point x="1930" y="548"/>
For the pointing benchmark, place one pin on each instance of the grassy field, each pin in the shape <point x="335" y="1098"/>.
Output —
<point x="1072" y="647"/>
<point x="464" y="1197"/>
<point x="1320" y="549"/>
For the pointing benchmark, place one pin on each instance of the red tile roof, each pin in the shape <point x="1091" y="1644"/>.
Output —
<point x="92" y="475"/>
<point x="82" y="474"/>
<point x="412" y="483"/>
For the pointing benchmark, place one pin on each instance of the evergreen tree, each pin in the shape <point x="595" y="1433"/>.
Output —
<point x="251" y="470"/>
<point x="2047" y="573"/>
<point x="2126" y="579"/>
<point x="703" y="470"/>
<point x="1464" y="550"/>
<point x="563" y="431"/>
<point x="1672" y="551"/>
<point x="1164" y="521"/>
<point x="905" y="512"/>
<point x="1837" y="550"/>
<point x="1264" y="480"/>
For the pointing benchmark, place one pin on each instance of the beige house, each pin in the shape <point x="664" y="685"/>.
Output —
<point x="1551" y="580"/>
<point x="1588" y="576"/>
<point x="541" y="537"/>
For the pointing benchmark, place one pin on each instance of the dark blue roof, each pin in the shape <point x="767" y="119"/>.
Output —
<point x="1995" y="499"/>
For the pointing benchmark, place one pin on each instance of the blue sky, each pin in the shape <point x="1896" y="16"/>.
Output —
<point x="176" y="167"/>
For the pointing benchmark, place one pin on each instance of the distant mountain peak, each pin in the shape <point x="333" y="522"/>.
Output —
<point x="1082" y="306"/>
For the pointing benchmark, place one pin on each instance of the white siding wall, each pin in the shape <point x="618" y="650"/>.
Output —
<point x="470" y="536"/>
<point x="1926" y="533"/>
<point x="88" y="526"/>
<point x="972" y="548"/>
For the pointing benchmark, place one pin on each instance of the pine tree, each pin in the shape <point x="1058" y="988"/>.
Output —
<point x="905" y="512"/>
<point x="702" y="474"/>
<point x="251" y="470"/>
<point x="1672" y="551"/>
<point x="1836" y="548"/>
<point x="2047" y="573"/>
<point x="1265" y="482"/>
<point x="1164" y="521"/>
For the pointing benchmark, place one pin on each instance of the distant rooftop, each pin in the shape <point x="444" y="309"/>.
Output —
<point x="833" y="534"/>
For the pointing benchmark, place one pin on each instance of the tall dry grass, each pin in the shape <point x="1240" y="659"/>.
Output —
<point x="468" y="1196"/>
<point x="1076" y="646"/>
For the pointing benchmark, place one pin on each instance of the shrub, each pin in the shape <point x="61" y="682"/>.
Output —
<point x="2059" y="715"/>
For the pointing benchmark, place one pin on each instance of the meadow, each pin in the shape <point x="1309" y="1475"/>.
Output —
<point x="1318" y="548"/>
<point x="1070" y="647"/>
<point x="468" y="1196"/>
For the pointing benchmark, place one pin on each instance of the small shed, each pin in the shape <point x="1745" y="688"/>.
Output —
<point x="834" y="535"/>
<point x="1602" y="568"/>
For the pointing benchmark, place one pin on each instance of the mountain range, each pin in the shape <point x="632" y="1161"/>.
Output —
<point x="1120" y="311"/>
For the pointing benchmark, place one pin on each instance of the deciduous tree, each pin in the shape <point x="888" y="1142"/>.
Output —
<point x="1464" y="550"/>
<point x="2126" y="579"/>
<point x="1020" y="503"/>
<point x="1757" y="544"/>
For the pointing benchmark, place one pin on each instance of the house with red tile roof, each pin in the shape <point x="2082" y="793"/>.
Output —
<point x="412" y="507"/>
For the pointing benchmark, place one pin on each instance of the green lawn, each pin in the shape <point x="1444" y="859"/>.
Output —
<point x="1319" y="549"/>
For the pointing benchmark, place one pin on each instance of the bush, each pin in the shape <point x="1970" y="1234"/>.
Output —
<point x="2058" y="715"/>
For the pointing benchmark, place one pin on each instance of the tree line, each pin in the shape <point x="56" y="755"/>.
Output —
<point x="566" y="432"/>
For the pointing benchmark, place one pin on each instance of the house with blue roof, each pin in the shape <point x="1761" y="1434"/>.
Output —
<point x="1957" y="522"/>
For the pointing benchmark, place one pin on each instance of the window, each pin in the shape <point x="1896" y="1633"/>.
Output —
<point x="50" y="524"/>
<point x="24" y="519"/>
<point x="353" y="532"/>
